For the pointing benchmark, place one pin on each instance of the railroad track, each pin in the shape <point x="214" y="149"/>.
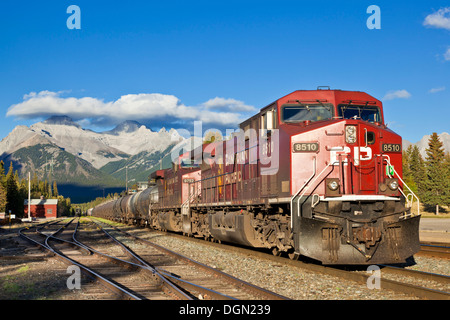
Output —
<point x="423" y="284"/>
<point x="193" y="276"/>
<point x="437" y="250"/>
<point x="411" y="282"/>
<point x="150" y="275"/>
<point x="93" y="284"/>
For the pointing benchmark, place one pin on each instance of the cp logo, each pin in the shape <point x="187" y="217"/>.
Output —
<point x="359" y="153"/>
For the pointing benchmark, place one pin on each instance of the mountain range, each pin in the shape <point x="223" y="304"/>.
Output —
<point x="84" y="162"/>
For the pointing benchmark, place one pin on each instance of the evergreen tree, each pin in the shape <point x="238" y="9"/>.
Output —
<point x="407" y="174"/>
<point x="16" y="177"/>
<point x="435" y="191"/>
<point x="2" y="198"/>
<point x="14" y="201"/>
<point x="35" y="184"/>
<point x="45" y="189"/>
<point x="2" y="187"/>
<point x="405" y="162"/>
<point x="55" y="189"/>
<point x="41" y="188"/>
<point x="49" y="191"/>
<point x="23" y="189"/>
<point x="417" y="169"/>
<point x="14" y="190"/>
<point x="447" y="178"/>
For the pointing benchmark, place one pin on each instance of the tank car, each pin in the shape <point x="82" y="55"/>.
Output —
<point x="315" y="173"/>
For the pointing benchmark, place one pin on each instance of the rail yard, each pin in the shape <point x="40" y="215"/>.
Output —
<point x="128" y="262"/>
<point x="225" y="159"/>
<point x="305" y="202"/>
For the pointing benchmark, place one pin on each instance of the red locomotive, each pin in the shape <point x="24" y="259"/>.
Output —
<point x="316" y="173"/>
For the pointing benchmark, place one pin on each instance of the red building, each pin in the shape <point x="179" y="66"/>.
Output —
<point x="42" y="208"/>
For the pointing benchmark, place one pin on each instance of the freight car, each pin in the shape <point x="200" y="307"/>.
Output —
<point x="315" y="173"/>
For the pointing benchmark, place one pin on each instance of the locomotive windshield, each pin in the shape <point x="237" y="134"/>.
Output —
<point x="306" y="112"/>
<point x="366" y="113"/>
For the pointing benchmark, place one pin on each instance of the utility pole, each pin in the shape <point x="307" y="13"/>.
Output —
<point x="126" y="179"/>
<point x="29" y="196"/>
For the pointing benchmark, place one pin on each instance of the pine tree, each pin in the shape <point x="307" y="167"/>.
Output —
<point x="55" y="189"/>
<point x="23" y="189"/>
<point x="2" y="187"/>
<point x="447" y="178"/>
<point x="41" y="188"/>
<point x="45" y="189"/>
<point x="2" y="198"/>
<point x="435" y="191"/>
<point x="14" y="202"/>
<point x="49" y="192"/>
<point x="407" y="174"/>
<point x="16" y="177"/>
<point x="417" y="169"/>
<point x="35" y="184"/>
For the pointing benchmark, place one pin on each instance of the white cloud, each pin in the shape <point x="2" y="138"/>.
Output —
<point x="398" y="94"/>
<point x="439" y="19"/>
<point x="447" y="54"/>
<point x="144" y="106"/>
<point x="435" y="90"/>
<point x="227" y="104"/>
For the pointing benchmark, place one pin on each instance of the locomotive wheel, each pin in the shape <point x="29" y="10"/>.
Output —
<point x="293" y="255"/>
<point x="276" y="252"/>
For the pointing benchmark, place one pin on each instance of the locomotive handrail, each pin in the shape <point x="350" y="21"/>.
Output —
<point x="388" y="160"/>
<point x="300" y="190"/>
<point x="186" y="204"/>
<point x="306" y="187"/>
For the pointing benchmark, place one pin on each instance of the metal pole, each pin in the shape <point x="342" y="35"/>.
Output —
<point x="29" y="196"/>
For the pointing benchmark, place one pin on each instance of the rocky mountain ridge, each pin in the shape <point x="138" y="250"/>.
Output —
<point x="60" y="149"/>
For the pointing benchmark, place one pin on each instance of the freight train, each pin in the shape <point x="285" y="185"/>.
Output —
<point x="316" y="173"/>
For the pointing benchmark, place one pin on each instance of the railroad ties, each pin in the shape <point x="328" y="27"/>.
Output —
<point x="119" y="265"/>
<point x="144" y="272"/>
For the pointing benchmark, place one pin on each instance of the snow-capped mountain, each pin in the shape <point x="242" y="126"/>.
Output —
<point x="87" y="164"/>
<point x="98" y="148"/>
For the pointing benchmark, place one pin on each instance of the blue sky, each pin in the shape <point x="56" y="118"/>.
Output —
<point x="219" y="61"/>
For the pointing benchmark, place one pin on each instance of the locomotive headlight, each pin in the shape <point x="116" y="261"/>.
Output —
<point x="393" y="184"/>
<point x="333" y="185"/>
<point x="350" y="134"/>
